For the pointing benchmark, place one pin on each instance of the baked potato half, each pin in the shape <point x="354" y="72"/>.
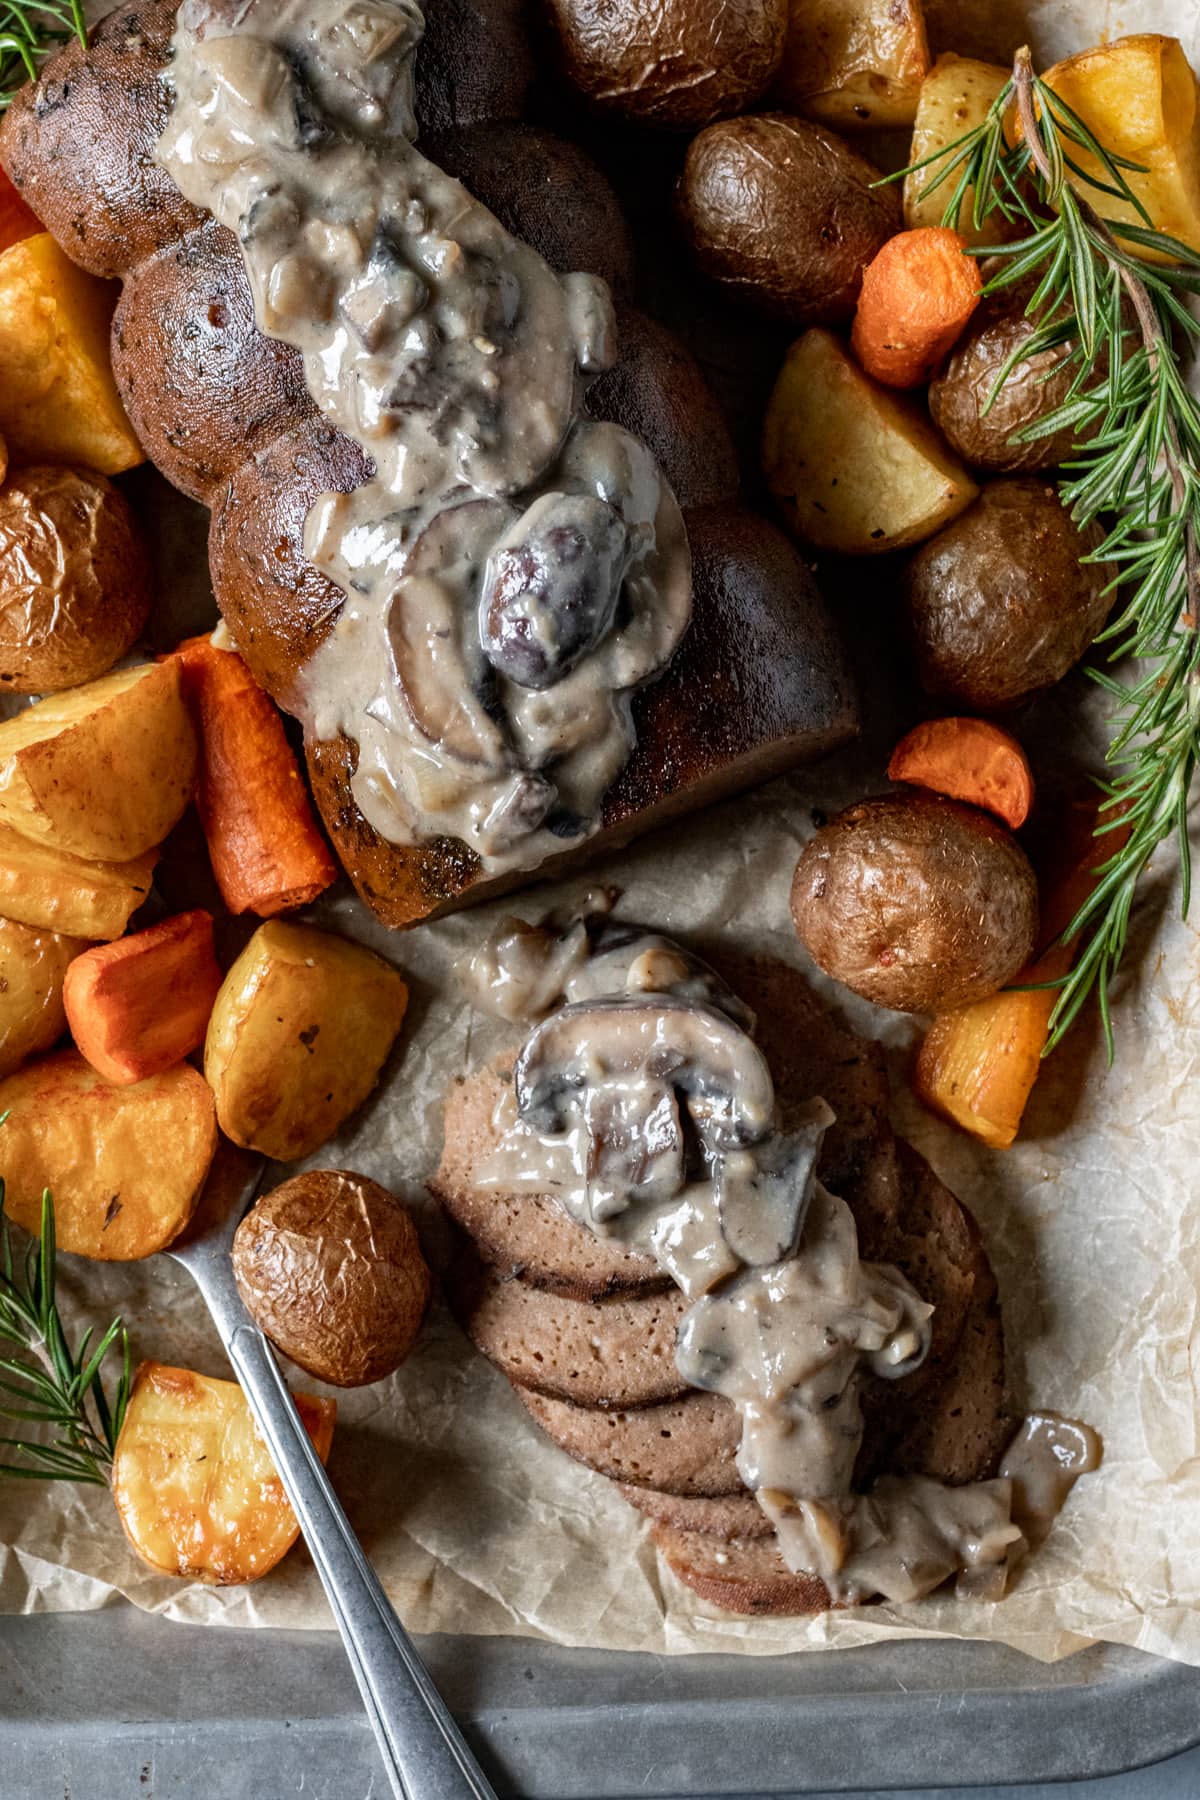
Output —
<point x="956" y="96"/>
<point x="193" y="1480"/>
<point x="329" y="1266"/>
<point x="917" y="903"/>
<point x="74" y="579"/>
<point x="302" y="1027"/>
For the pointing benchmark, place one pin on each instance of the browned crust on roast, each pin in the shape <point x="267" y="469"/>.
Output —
<point x="748" y="1576"/>
<point x="760" y="684"/>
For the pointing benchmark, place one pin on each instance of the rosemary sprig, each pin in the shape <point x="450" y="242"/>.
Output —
<point x="1123" y="326"/>
<point x="43" y="1381"/>
<point x="30" y="32"/>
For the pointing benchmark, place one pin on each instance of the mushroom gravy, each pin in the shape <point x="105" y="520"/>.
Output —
<point x="648" y="1113"/>
<point x="513" y="570"/>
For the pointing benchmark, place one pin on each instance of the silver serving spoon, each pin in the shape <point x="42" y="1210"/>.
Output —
<point x="423" y="1751"/>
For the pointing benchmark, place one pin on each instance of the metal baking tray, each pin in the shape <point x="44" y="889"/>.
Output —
<point x="119" y="1705"/>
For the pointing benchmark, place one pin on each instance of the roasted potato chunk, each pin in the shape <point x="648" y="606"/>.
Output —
<point x="42" y="887"/>
<point x="1140" y="98"/>
<point x="74" y="579"/>
<point x="193" y="1480"/>
<point x="982" y="417"/>
<point x="955" y="98"/>
<point x="999" y="604"/>
<point x="125" y="1164"/>
<point x="854" y="62"/>
<point x="58" y="399"/>
<point x="917" y="903"/>
<point x="103" y="771"/>
<point x="301" y="1028"/>
<point x="329" y="1266"/>
<point x="784" y="215"/>
<point x="33" y="964"/>
<point x="854" y="467"/>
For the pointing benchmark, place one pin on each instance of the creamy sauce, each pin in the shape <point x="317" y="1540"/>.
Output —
<point x="513" y="571"/>
<point x="649" y="1115"/>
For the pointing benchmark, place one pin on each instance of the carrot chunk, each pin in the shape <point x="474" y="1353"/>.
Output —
<point x="267" y="852"/>
<point x="917" y="295"/>
<point x="139" y="1006"/>
<point x="16" y="219"/>
<point x="968" y="759"/>
<point x="977" y="1066"/>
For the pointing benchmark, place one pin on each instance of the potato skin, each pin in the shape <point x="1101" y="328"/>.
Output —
<point x="917" y="903"/>
<point x="782" y="213"/>
<point x="673" y="63"/>
<point x="329" y="1266"/>
<point x="33" y="965"/>
<point x="999" y="605"/>
<point x="74" y="579"/>
<point x="959" y="393"/>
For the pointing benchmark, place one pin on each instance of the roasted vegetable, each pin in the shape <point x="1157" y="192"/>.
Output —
<point x="955" y="97"/>
<point x="140" y="1005"/>
<point x="125" y="1164"/>
<point x="103" y="771"/>
<point x="917" y="295"/>
<point x="32" y="966"/>
<point x="784" y="215"/>
<point x="74" y="579"/>
<point x="16" y="220"/>
<point x="999" y="605"/>
<point x="981" y="415"/>
<point x="854" y="62"/>
<point x="968" y="759"/>
<point x="853" y="467"/>
<point x="301" y="1028"/>
<point x="915" y="902"/>
<point x="58" y="400"/>
<point x="193" y="1481"/>
<point x="43" y="887"/>
<point x="678" y="63"/>
<point x="330" y="1267"/>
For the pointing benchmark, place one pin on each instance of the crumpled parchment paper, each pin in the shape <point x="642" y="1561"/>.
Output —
<point x="476" y="1523"/>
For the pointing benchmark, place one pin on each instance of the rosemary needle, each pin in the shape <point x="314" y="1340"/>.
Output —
<point x="46" y="1383"/>
<point x="30" y="32"/>
<point x="1124" y="326"/>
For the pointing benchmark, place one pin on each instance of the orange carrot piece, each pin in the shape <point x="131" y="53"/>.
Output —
<point x="968" y="759"/>
<point x="267" y="852"/>
<point x="16" y="220"/>
<point x="140" y="1005"/>
<point x="977" y="1066"/>
<point x="917" y="295"/>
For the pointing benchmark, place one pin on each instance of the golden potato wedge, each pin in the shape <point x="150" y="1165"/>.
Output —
<point x="855" y="467"/>
<point x="854" y="62"/>
<point x="193" y="1481"/>
<point x="58" y="400"/>
<point x="101" y="771"/>
<point x="301" y="1028"/>
<point x="40" y="886"/>
<point x="33" y="963"/>
<point x="125" y="1164"/>
<point x="1140" y="98"/>
<point x="954" y="99"/>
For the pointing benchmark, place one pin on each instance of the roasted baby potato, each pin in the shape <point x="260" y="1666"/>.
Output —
<point x="999" y="605"/>
<point x="979" y="418"/>
<point x="125" y="1164"/>
<point x="330" y="1267"/>
<point x="854" y="467"/>
<point x="42" y="887"/>
<point x="955" y="98"/>
<point x="193" y="1480"/>
<point x="917" y="903"/>
<point x="854" y="62"/>
<point x="58" y="400"/>
<point x="784" y="215"/>
<point x="32" y="966"/>
<point x="102" y="771"/>
<point x="302" y="1026"/>
<point x="74" y="579"/>
<point x="1140" y="98"/>
<point x="678" y="63"/>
